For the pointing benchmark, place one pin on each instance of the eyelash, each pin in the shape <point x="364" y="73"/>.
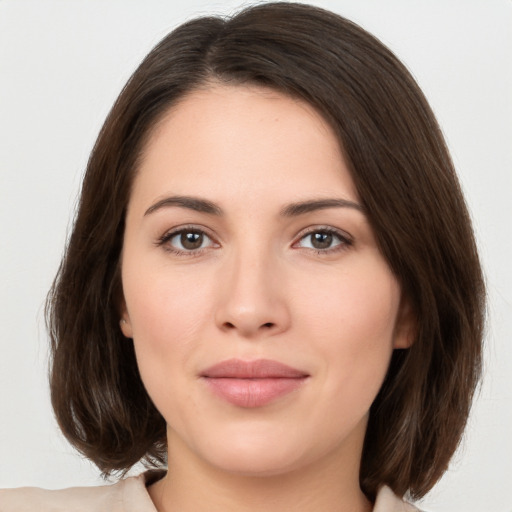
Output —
<point x="344" y="240"/>
<point x="167" y="237"/>
<point x="163" y="241"/>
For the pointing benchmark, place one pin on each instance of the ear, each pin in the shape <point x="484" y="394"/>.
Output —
<point x="125" y="322"/>
<point x="406" y="325"/>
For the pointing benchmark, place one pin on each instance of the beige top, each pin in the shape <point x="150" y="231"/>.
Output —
<point x="128" y="495"/>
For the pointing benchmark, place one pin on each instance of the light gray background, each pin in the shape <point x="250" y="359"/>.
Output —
<point x="62" y="64"/>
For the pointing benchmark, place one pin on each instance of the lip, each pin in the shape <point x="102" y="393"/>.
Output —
<point x="252" y="383"/>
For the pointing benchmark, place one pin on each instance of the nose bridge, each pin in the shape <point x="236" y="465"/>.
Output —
<point x="252" y="300"/>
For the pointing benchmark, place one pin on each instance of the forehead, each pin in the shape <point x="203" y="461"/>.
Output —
<point x="245" y="139"/>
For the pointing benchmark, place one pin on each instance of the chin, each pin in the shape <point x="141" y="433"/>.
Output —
<point x="258" y="464"/>
<point x="265" y="453"/>
<point x="252" y="452"/>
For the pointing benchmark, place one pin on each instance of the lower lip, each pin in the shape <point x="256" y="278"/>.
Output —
<point x="253" y="392"/>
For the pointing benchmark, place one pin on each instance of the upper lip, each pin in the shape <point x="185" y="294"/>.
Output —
<point x="256" y="369"/>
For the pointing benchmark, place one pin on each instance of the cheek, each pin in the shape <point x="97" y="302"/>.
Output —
<point x="357" y="306"/>
<point x="163" y="305"/>
<point x="167" y="313"/>
<point x="351" y="317"/>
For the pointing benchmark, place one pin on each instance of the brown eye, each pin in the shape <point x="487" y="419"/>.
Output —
<point x="186" y="241"/>
<point x="321" y="240"/>
<point x="324" y="240"/>
<point x="191" y="240"/>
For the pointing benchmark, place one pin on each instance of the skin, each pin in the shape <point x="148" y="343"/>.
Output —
<point x="258" y="287"/>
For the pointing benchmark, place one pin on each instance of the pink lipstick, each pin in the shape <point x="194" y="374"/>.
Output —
<point x="252" y="383"/>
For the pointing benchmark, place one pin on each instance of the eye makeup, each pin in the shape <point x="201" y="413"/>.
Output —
<point x="189" y="241"/>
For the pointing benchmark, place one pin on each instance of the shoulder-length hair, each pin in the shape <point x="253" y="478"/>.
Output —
<point x="406" y="182"/>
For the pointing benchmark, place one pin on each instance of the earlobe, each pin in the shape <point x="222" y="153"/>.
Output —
<point x="406" y="325"/>
<point x="126" y="327"/>
<point x="124" y="322"/>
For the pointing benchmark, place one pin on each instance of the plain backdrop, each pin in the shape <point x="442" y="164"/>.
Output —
<point x="62" y="64"/>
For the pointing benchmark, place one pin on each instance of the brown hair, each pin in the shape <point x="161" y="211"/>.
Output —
<point x="405" y="180"/>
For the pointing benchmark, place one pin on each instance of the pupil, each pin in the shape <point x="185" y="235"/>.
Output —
<point x="191" y="240"/>
<point x="322" y="240"/>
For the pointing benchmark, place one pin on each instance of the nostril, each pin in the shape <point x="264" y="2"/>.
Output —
<point x="230" y="325"/>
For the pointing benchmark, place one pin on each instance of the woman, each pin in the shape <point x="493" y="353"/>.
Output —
<point x="272" y="282"/>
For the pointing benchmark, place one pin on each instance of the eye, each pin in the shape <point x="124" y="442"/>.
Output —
<point x="186" y="241"/>
<point x="324" y="240"/>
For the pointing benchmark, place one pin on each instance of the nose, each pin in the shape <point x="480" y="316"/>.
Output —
<point x="252" y="297"/>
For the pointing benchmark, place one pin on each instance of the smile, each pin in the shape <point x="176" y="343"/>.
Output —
<point x="252" y="384"/>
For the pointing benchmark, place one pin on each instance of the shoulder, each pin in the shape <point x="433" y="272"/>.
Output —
<point x="128" y="495"/>
<point x="387" y="501"/>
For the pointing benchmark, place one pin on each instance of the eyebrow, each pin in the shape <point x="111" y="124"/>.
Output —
<point x="192" y="203"/>
<point x="291" y="210"/>
<point x="294" y="209"/>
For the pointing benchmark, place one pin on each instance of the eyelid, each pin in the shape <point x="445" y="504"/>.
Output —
<point x="171" y="233"/>
<point x="346" y="240"/>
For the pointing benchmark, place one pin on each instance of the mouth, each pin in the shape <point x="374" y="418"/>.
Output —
<point x="252" y="384"/>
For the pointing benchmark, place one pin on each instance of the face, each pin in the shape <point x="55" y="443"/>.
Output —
<point x="262" y="312"/>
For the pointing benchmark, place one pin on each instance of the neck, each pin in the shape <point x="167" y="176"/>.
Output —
<point x="191" y="485"/>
